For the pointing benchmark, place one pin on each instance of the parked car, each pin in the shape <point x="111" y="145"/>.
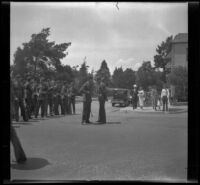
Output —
<point x="121" y="97"/>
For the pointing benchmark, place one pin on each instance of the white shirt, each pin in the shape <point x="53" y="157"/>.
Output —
<point x="165" y="92"/>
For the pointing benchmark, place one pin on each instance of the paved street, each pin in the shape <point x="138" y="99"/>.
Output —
<point x="132" y="146"/>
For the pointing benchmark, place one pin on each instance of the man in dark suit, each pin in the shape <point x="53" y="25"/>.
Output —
<point x="86" y="90"/>
<point x="102" y="97"/>
<point x="134" y="94"/>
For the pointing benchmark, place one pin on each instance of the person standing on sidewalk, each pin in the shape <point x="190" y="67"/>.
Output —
<point x="102" y="97"/>
<point x="164" y="97"/>
<point x="134" y="94"/>
<point x="141" y="96"/>
<point x="154" y="97"/>
<point x="86" y="90"/>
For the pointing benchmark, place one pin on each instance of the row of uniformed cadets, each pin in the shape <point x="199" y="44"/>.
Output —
<point x="31" y="95"/>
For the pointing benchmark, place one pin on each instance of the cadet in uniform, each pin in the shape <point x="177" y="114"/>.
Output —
<point x="50" y="97"/>
<point x="66" y="99"/>
<point x="55" y="108"/>
<point x="57" y="98"/>
<point x="72" y="97"/>
<point x="45" y="91"/>
<point x="102" y="97"/>
<point x="35" y="97"/>
<point x="28" y="98"/>
<point x="86" y="90"/>
<point x="62" y="94"/>
<point x="19" y="97"/>
<point x="41" y="100"/>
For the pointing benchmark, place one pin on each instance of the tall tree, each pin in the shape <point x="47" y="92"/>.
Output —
<point x="82" y="74"/>
<point x="129" y="77"/>
<point x="147" y="76"/>
<point x="104" y="72"/>
<point x="117" y="78"/>
<point x="160" y="59"/>
<point x="39" y="54"/>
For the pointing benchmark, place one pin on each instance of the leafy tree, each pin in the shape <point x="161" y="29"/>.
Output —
<point x="129" y="77"/>
<point x="146" y="76"/>
<point x="160" y="59"/>
<point x="64" y="73"/>
<point x="117" y="78"/>
<point x="179" y="78"/>
<point x="82" y="74"/>
<point x="104" y="72"/>
<point x="39" y="54"/>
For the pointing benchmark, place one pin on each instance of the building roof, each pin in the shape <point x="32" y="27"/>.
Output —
<point x="181" y="37"/>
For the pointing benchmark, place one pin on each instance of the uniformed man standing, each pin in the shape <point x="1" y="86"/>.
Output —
<point x="55" y="107"/>
<point x="66" y="99"/>
<point x="86" y="90"/>
<point x="102" y="97"/>
<point x="62" y="94"/>
<point x="41" y="100"/>
<point x="45" y="91"/>
<point x="72" y="91"/>
<point x="50" y="97"/>
<point x="28" y="98"/>
<point x="19" y="99"/>
<point x="35" y="97"/>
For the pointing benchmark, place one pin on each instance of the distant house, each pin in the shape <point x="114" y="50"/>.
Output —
<point x="179" y="51"/>
<point x="178" y="55"/>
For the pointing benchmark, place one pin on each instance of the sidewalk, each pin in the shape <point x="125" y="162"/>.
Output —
<point x="172" y="109"/>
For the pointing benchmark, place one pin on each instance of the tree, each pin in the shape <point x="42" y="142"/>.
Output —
<point x="104" y="72"/>
<point x="39" y="54"/>
<point x="146" y="76"/>
<point x="117" y="78"/>
<point x="179" y="78"/>
<point x="129" y="77"/>
<point x="64" y="73"/>
<point x="82" y="74"/>
<point x="160" y="59"/>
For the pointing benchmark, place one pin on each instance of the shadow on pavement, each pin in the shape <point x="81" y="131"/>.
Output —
<point x="97" y="123"/>
<point x="113" y="122"/>
<point x="22" y="123"/>
<point x="16" y="126"/>
<point x="31" y="164"/>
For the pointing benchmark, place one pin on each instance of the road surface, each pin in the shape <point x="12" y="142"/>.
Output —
<point x="132" y="146"/>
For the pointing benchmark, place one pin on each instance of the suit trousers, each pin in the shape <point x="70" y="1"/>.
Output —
<point x="102" y="112"/>
<point x="86" y="111"/>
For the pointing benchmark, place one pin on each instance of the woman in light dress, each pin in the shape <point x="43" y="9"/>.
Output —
<point x="141" y="97"/>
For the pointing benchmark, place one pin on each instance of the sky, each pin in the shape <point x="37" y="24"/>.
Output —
<point x="124" y="37"/>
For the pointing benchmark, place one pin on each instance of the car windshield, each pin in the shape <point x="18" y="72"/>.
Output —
<point x="120" y="93"/>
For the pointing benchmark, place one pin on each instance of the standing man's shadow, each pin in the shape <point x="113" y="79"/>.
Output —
<point x="31" y="164"/>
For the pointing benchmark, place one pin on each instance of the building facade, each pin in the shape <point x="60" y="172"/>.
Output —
<point x="178" y="55"/>
<point x="179" y="51"/>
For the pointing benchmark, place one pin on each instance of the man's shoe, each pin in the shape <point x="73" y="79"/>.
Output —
<point x="88" y="122"/>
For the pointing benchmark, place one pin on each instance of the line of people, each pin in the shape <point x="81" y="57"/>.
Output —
<point x="31" y="95"/>
<point x="157" y="99"/>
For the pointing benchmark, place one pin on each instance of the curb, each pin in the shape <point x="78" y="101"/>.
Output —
<point x="152" y="111"/>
